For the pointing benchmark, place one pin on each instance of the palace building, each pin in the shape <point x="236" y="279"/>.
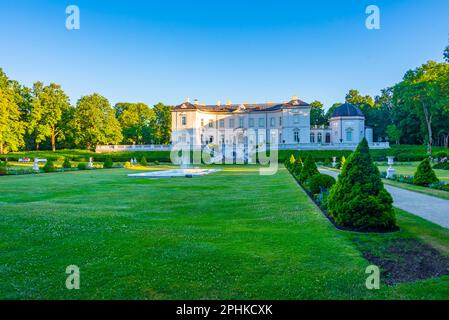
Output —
<point x="286" y="124"/>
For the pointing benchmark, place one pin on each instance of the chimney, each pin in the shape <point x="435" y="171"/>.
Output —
<point x="218" y="103"/>
<point x="195" y="101"/>
<point x="295" y="98"/>
<point x="228" y="102"/>
<point x="187" y="99"/>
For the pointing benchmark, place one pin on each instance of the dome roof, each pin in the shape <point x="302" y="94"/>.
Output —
<point x="347" y="110"/>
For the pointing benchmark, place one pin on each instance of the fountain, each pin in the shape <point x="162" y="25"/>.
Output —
<point x="184" y="171"/>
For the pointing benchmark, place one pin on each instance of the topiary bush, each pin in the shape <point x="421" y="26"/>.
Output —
<point x="359" y="200"/>
<point x="297" y="167"/>
<point x="49" y="166"/>
<point x="82" y="166"/>
<point x="108" y="163"/>
<point x="424" y="175"/>
<point x="66" y="164"/>
<point x="309" y="169"/>
<point x="442" y="166"/>
<point x="143" y="161"/>
<point x="319" y="183"/>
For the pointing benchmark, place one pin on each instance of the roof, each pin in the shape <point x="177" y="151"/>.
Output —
<point x="244" y="107"/>
<point x="347" y="110"/>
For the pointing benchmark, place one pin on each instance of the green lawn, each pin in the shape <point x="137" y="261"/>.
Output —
<point x="230" y="235"/>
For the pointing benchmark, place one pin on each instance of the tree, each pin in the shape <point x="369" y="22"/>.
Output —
<point x="163" y="123"/>
<point x="331" y="110"/>
<point x="317" y="115"/>
<point x="424" y="175"/>
<point x="394" y="133"/>
<point x="297" y="166"/>
<point x="94" y="122"/>
<point x="48" y="106"/>
<point x="425" y="91"/>
<point x="446" y="54"/>
<point x="12" y="128"/>
<point x="359" y="200"/>
<point x="309" y="169"/>
<point x="137" y="121"/>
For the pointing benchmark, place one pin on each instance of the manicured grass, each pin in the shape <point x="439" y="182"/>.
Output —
<point x="230" y="235"/>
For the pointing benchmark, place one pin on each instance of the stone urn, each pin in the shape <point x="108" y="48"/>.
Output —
<point x="391" y="172"/>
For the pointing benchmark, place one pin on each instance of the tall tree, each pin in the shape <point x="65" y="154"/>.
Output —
<point x="95" y="123"/>
<point x="446" y="54"/>
<point x="48" y="106"/>
<point x="317" y="114"/>
<point x="12" y="127"/>
<point x="425" y="91"/>
<point x="137" y="121"/>
<point x="163" y="123"/>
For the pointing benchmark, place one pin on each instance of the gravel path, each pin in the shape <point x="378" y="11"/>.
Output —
<point x="427" y="207"/>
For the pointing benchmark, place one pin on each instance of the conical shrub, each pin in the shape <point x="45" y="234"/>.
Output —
<point x="424" y="175"/>
<point x="359" y="200"/>
<point x="297" y="166"/>
<point x="309" y="169"/>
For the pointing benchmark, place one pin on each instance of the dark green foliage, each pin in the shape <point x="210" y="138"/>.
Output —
<point x="441" y="155"/>
<point x="66" y="164"/>
<point x="49" y="166"/>
<point x="309" y="169"/>
<point x="143" y="161"/>
<point x="156" y="163"/>
<point x="442" y="165"/>
<point x="359" y="200"/>
<point x="319" y="182"/>
<point x="425" y="175"/>
<point x="297" y="166"/>
<point x="108" y="163"/>
<point x="82" y="166"/>
<point x="3" y="168"/>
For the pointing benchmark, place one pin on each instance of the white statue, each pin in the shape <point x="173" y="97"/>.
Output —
<point x="334" y="162"/>
<point x="90" y="165"/>
<point x="391" y="172"/>
<point x="35" y="165"/>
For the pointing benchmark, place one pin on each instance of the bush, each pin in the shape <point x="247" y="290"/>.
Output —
<point x="156" y="163"/>
<point x="309" y="169"/>
<point x="442" y="166"/>
<point x="425" y="175"/>
<point x="108" y="163"/>
<point x="143" y="161"/>
<point x="66" y="164"/>
<point x="49" y="166"/>
<point x="359" y="200"/>
<point x="297" y="167"/>
<point x="441" y="155"/>
<point x="82" y="166"/>
<point x="3" y="169"/>
<point x="319" y="182"/>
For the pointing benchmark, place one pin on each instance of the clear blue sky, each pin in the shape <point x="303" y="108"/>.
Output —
<point x="244" y="51"/>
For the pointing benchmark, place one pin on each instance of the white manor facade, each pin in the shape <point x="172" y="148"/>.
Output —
<point x="286" y="125"/>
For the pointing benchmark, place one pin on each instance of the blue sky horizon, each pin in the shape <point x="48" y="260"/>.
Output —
<point x="243" y="51"/>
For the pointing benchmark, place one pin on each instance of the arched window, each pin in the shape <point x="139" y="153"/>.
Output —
<point x="320" y="137"/>
<point x="312" y="137"/>
<point x="296" y="137"/>
<point x="328" y="137"/>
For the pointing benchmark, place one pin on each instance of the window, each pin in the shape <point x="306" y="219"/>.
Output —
<point x="312" y="137"/>
<point x="221" y="123"/>
<point x="222" y="139"/>
<point x="211" y="123"/>
<point x="320" y="137"/>
<point x="184" y="120"/>
<point x="211" y="139"/>
<point x="202" y="122"/>
<point x="348" y="134"/>
<point x="231" y="123"/>
<point x="328" y="137"/>
<point x="251" y="122"/>
<point x="296" y="136"/>
<point x="296" y="118"/>
<point x="280" y="121"/>
<point x="261" y="122"/>
<point x="273" y="122"/>
<point x="241" y="122"/>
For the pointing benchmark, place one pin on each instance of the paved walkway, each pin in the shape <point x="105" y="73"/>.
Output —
<point x="427" y="207"/>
